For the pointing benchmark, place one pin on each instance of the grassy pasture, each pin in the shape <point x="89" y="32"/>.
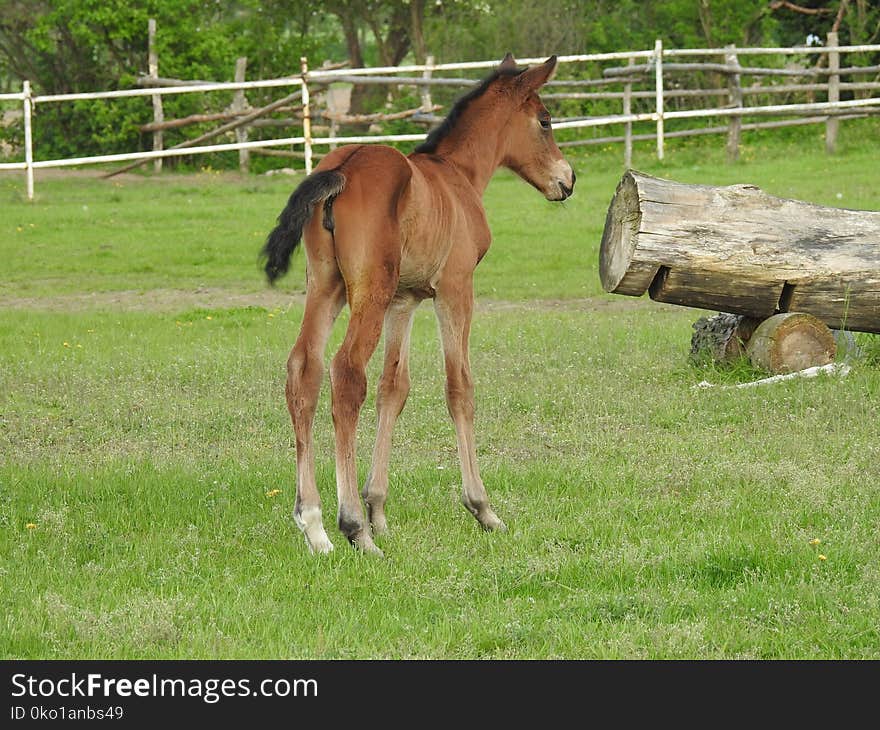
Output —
<point x="144" y="438"/>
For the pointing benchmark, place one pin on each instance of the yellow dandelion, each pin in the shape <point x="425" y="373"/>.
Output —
<point x="65" y="344"/>
<point x="271" y="315"/>
<point x="822" y="557"/>
<point x="79" y="346"/>
<point x="273" y="492"/>
<point x="209" y="317"/>
<point x="19" y="229"/>
<point x="31" y="526"/>
<point x="815" y="541"/>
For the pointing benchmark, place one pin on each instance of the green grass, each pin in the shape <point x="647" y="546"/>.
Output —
<point x="142" y="427"/>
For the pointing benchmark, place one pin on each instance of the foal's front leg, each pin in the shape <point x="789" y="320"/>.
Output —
<point x="454" y="308"/>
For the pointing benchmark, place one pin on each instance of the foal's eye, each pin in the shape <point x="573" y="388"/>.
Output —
<point x="545" y="123"/>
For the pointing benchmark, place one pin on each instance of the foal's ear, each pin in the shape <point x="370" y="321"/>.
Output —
<point x="508" y="63"/>
<point x="537" y="76"/>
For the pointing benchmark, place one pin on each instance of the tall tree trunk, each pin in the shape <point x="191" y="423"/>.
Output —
<point x="417" y="31"/>
<point x="361" y="96"/>
<point x="352" y="39"/>
<point x="705" y="13"/>
<point x="396" y="27"/>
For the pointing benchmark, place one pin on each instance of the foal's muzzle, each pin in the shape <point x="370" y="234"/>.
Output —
<point x="567" y="190"/>
<point x="564" y="186"/>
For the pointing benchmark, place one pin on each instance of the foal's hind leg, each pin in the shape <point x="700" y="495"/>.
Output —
<point x="305" y="367"/>
<point x="348" y="380"/>
<point x="454" y="307"/>
<point x="390" y="399"/>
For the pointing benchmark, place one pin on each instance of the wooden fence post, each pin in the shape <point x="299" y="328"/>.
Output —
<point x="307" y="120"/>
<point x="153" y="72"/>
<point x="334" y="123"/>
<point x="658" y="83"/>
<point x="833" y="123"/>
<point x="239" y="104"/>
<point x="427" y="104"/>
<point x="28" y="139"/>
<point x="734" y="125"/>
<point x="627" y="111"/>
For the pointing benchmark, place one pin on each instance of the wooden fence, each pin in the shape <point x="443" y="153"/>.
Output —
<point x="655" y="87"/>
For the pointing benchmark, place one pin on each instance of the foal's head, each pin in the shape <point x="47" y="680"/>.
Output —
<point x="527" y="144"/>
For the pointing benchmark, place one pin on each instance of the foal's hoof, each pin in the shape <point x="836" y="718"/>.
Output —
<point x="319" y="544"/>
<point x="490" y="522"/>
<point x="364" y="543"/>
<point x="378" y="523"/>
<point x="309" y="521"/>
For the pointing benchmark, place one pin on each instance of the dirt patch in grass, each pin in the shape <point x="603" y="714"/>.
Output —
<point x="586" y="304"/>
<point x="173" y="300"/>
<point x="154" y="300"/>
<point x="142" y="175"/>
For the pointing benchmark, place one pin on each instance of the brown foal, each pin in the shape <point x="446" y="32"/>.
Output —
<point x="383" y="231"/>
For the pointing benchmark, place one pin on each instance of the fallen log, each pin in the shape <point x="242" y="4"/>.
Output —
<point x="737" y="249"/>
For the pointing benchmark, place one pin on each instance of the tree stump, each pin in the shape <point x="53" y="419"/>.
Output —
<point x="788" y="343"/>
<point x="722" y="337"/>
<point x="791" y="341"/>
<point x="737" y="249"/>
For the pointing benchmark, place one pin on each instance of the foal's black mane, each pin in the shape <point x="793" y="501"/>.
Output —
<point x="445" y="127"/>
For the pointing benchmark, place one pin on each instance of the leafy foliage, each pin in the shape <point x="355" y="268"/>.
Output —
<point x="90" y="45"/>
<point x="65" y="46"/>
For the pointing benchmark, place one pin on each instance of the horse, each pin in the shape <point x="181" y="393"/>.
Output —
<point x="384" y="231"/>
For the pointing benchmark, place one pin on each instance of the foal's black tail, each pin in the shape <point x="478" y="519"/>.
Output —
<point x="284" y="238"/>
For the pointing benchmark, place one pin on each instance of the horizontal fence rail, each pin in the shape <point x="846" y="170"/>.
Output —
<point x="647" y="68"/>
<point x="166" y="90"/>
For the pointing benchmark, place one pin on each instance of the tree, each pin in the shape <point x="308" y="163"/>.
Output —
<point x="65" y="46"/>
<point x="857" y="21"/>
<point x="392" y="27"/>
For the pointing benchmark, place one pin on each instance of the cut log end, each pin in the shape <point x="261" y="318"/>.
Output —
<point x="791" y="341"/>
<point x="619" y="241"/>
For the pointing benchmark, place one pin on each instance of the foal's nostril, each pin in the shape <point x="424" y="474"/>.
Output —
<point x="573" y="178"/>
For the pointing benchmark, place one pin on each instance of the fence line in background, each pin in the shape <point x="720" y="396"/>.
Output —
<point x="654" y="66"/>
